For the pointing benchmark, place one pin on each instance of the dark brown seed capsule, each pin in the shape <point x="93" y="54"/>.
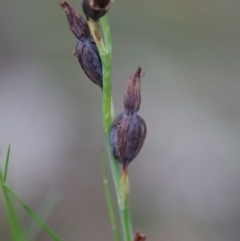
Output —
<point x="86" y="49"/>
<point x="129" y="130"/>
<point x="95" y="9"/>
<point x="127" y="137"/>
<point x="90" y="61"/>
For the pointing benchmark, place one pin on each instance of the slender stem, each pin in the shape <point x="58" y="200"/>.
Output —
<point x="125" y="216"/>
<point x="95" y="31"/>
<point x="116" y="173"/>
<point x="106" y="33"/>
<point x="107" y="105"/>
<point x="107" y="108"/>
<point x="109" y="201"/>
<point x="6" y="165"/>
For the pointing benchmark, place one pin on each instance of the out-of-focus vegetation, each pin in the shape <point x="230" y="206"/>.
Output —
<point x="185" y="182"/>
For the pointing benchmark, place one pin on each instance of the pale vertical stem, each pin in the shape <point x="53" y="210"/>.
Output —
<point x="107" y="110"/>
<point x="110" y="201"/>
<point x="124" y="210"/>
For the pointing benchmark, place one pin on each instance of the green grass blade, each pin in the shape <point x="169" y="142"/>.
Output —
<point x="15" y="229"/>
<point x="32" y="230"/>
<point x="33" y="215"/>
<point x="6" y="164"/>
<point x="109" y="201"/>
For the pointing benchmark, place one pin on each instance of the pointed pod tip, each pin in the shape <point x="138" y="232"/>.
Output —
<point x="139" y="236"/>
<point x="64" y="4"/>
<point x="138" y="73"/>
<point x="132" y="99"/>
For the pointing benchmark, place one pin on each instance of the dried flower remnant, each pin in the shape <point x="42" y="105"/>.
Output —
<point x="86" y="49"/>
<point x="95" y="9"/>
<point x="77" y="23"/>
<point x="139" y="236"/>
<point x="129" y="130"/>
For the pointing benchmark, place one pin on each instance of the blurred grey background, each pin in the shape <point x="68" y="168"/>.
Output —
<point x="185" y="183"/>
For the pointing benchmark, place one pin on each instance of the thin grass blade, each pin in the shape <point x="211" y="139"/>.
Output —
<point x="15" y="228"/>
<point x="32" y="230"/>
<point x="6" y="164"/>
<point x="33" y="215"/>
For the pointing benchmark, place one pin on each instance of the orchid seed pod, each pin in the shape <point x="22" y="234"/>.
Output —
<point x="95" y="9"/>
<point x="129" y="130"/>
<point x="90" y="61"/>
<point x="86" y="49"/>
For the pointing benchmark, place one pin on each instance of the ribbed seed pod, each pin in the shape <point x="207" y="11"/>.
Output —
<point x="129" y="130"/>
<point x="90" y="61"/>
<point x="95" y="9"/>
<point x="86" y="49"/>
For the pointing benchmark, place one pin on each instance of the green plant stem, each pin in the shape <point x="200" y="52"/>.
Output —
<point x="33" y="215"/>
<point x="106" y="34"/>
<point x="107" y="102"/>
<point x="109" y="201"/>
<point x="105" y="51"/>
<point x="126" y="221"/>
